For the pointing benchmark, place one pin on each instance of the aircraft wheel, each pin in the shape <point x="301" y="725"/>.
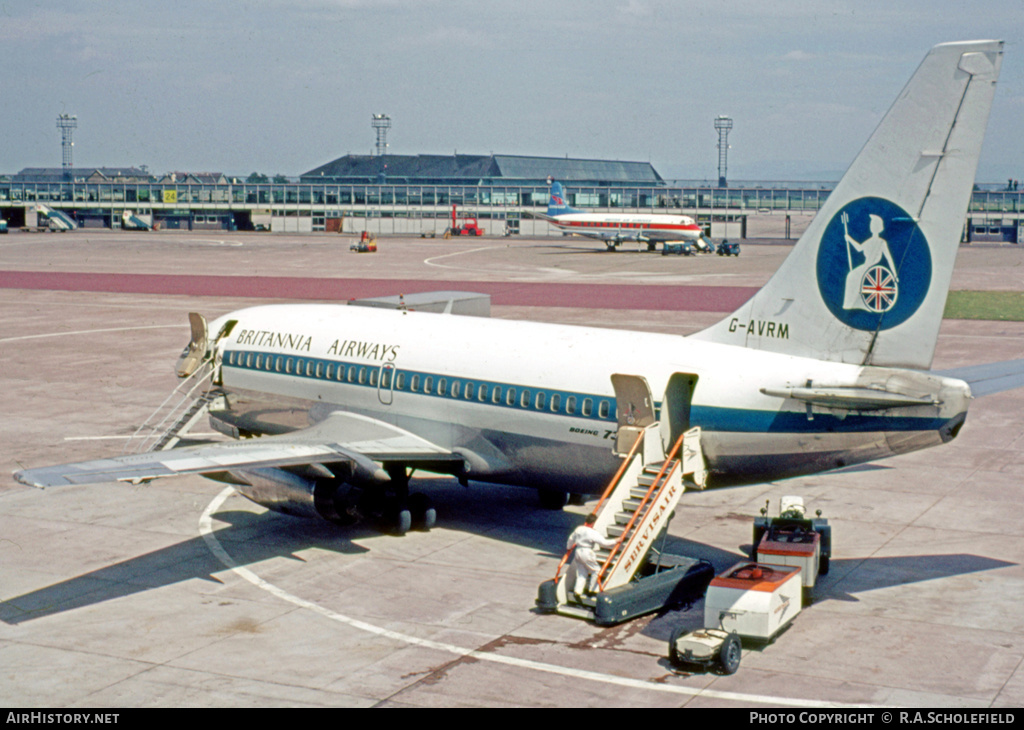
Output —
<point x="401" y="523"/>
<point x="397" y="518"/>
<point x="423" y="513"/>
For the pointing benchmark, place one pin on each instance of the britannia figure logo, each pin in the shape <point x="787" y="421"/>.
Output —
<point x="856" y="270"/>
<point x="874" y="285"/>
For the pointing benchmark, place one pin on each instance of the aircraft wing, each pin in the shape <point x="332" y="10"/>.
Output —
<point x="341" y="437"/>
<point x="615" y="234"/>
<point x="993" y="377"/>
<point x="659" y="236"/>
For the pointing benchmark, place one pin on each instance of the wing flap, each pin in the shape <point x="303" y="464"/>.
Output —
<point x="341" y="437"/>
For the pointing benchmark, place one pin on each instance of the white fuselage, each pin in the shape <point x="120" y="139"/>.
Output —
<point x="532" y="404"/>
<point x="629" y="226"/>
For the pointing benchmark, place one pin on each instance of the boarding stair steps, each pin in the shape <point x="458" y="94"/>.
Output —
<point x="635" y="510"/>
<point x="58" y="220"/>
<point x="176" y="416"/>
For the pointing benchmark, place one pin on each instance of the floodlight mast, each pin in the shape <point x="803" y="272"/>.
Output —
<point x="723" y="124"/>
<point x="381" y="123"/>
<point x="67" y="123"/>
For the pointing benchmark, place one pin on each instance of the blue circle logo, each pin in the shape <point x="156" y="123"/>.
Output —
<point x="874" y="265"/>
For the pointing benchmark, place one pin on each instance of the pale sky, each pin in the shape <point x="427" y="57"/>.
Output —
<point x="282" y="86"/>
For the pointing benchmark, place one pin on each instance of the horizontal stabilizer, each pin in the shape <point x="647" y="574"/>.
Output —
<point x="857" y="399"/>
<point x="442" y="302"/>
<point x="990" y="378"/>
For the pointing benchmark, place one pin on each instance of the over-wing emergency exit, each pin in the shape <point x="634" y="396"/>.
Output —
<point x="333" y="407"/>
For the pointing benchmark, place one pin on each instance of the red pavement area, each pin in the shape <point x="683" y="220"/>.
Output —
<point x="589" y="296"/>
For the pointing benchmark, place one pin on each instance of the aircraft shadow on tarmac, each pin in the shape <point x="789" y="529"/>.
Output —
<point x="247" y="534"/>
<point x="505" y="514"/>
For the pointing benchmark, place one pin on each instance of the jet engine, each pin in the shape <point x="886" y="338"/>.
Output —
<point x="317" y="492"/>
<point x="306" y="494"/>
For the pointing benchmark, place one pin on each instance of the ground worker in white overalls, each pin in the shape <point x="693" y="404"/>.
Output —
<point x="584" y="539"/>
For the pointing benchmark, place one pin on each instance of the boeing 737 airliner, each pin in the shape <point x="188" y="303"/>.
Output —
<point x="334" y="406"/>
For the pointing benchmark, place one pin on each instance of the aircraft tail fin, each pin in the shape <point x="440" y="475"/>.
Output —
<point x="867" y="282"/>
<point x="556" y="204"/>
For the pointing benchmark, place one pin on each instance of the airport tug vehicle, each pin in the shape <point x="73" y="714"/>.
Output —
<point x="634" y="512"/>
<point x="367" y="243"/>
<point x="795" y="540"/>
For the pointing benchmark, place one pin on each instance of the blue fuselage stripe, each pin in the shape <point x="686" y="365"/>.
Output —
<point x="600" y="408"/>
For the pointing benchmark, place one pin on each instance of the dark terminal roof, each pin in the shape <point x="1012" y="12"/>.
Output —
<point x="82" y="174"/>
<point x="482" y="169"/>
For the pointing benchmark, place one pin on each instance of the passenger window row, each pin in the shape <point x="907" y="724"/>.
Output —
<point x="468" y="390"/>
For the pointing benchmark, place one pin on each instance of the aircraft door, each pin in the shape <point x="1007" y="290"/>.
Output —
<point x="195" y="353"/>
<point x="634" y="408"/>
<point x="386" y="383"/>
<point x="675" y="407"/>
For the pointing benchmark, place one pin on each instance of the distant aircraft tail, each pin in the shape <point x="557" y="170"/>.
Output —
<point x="556" y="204"/>
<point x="867" y="282"/>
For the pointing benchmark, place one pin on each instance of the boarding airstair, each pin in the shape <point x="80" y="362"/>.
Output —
<point x="176" y="416"/>
<point x="58" y="220"/>
<point x="189" y="402"/>
<point x="131" y="221"/>
<point x="635" y="511"/>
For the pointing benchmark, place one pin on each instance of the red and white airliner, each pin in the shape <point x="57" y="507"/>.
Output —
<point x="614" y="228"/>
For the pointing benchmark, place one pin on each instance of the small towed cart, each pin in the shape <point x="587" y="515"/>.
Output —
<point x="706" y="647"/>
<point x="751" y="601"/>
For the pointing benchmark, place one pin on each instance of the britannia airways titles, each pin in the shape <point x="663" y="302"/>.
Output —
<point x="379" y="351"/>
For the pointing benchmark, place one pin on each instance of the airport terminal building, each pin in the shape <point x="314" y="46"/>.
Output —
<point x="420" y="194"/>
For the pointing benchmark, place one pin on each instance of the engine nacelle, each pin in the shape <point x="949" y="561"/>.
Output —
<point x="292" y="494"/>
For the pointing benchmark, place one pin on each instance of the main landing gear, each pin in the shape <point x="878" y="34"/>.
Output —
<point x="389" y="505"/>
<point x="403" y="511"/>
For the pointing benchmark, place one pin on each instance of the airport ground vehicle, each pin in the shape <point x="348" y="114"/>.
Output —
<point x="795" y="540"/>
<point x="664" y="582"/>
<point x="679" y="248"/>
<point x="468" y="226"/>
<point x="706" y="647"/>
<point x="367" y="243"/>
<point x="728" y="249"/>
<point x="749" y="601"/>
<point x="703" y="245"/>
